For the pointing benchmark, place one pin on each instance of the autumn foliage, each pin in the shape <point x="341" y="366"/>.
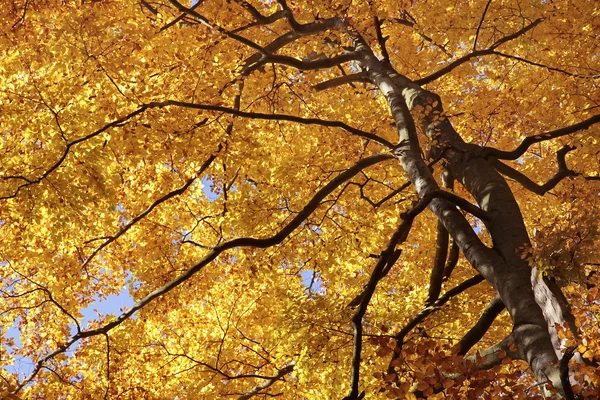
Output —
<point x="304" y="199"/>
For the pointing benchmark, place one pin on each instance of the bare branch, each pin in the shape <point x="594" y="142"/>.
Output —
<point x="452" y="259"/>
<point x="465" y="205"/>
<point x="536" y="64"/>
<point x="427" y="311"/>
<point x="325" y="62"/>
<point x="437" y="271"/>
<point x="203" y="20"/>
<point x="381" y="40"/>
<point x="441" y="248"/>
<point x="181" y="16"/>
<point x="564" y="372"/>
<point x="258" y="60"/>
<point x="406" y="184"/>
<point x="515" y="35"/>
<point x="21" y="20"/>
<point x="28" y="182"/>
<point x="386" y="260"/>
<point x="412" y="23"/>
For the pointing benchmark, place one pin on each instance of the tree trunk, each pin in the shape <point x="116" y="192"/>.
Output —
<point x="502" y="265"/>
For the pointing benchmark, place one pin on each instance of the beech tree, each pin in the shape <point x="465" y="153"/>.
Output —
<point x="305" y="199"/>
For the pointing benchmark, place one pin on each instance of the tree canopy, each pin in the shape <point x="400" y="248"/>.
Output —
<point x="304" y="199"/>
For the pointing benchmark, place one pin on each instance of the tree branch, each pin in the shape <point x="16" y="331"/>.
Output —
<point x="342" y="80"/>
<point x="427" y="311"/>
<point x="137" y="218"/>
<point x="536" y="64"/>
<point x="480" y="24"/>
<point x="474" y="335"/>
<point x="412" y="23"/>
<point x="180" y="17"/>
<point x="203" y="20"/>
<point x="453" y="255"/>
<point x="564" y="372"/>
<point x="28" y="182"/>
<point x="475" y="53"/>
<point x="258" y="388"/>
<point x="563" y="172"/>
<point x="386" y="260"/>
<point x="482" y="360"/>
<point x="529" y="140"/>
<point x="381" y="40"/>
<point x="257" y="60"/>
<point x="325" y="62"/>
<point x="273" y="117"/>
<point x="441" y="248"/>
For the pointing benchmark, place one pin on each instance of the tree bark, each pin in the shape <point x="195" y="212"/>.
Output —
<point x="502" y="265"/>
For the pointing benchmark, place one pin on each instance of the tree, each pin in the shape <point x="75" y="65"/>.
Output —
<point x="309" y="200"/>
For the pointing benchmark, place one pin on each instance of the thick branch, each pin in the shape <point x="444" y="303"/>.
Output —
<point x="257" y="60"/>
<point x="563" y="172"/>
<point x="342" y="80"/>
<point x="452" y="259"/>
<point x="474" y="335"/>
<point x="564" y="372"/>
<point x="427" y="311"/>
<point x="436" y="305"/>
<point x="387" y="259"/>
<point x="437" y="271"/>
<point x="259" y="18"/>
<point x="441" y="249"/>
<point x="320" y="63"/>
<point x="272" y="117"/>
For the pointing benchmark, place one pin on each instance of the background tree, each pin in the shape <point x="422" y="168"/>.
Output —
<point x="305" y="199"/>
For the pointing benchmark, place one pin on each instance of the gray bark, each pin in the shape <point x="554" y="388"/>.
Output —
<point x="502" y="266"/>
